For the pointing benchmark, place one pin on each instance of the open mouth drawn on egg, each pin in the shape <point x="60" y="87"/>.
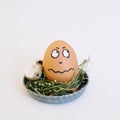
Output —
<point x="61" y="72"/>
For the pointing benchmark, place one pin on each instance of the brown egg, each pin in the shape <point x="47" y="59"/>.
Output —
<point x="60" y="62"/>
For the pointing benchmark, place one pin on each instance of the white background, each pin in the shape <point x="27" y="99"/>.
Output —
<point x="92" y="27"/>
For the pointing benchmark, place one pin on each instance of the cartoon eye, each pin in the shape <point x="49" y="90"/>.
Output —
<point x="66" y="53"/>
<point x="55" y="53"/>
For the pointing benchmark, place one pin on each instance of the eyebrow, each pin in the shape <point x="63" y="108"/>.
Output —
<point x="63" y="47"/>
<point x="57" y="47"/>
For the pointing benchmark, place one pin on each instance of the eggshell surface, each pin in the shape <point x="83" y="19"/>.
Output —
<point x="60" y="62"/>
<point x="33" y="72"/>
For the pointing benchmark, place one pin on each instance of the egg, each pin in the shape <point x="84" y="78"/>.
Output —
<point x="33" y="72"/>
<point x="60" y="62"/>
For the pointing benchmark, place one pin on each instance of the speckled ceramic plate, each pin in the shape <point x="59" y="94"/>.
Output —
<point x="56" y="99"/>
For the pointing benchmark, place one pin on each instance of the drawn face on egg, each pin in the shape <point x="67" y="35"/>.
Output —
<point x="55" y="54"/>
<point x="60" y="62"/>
